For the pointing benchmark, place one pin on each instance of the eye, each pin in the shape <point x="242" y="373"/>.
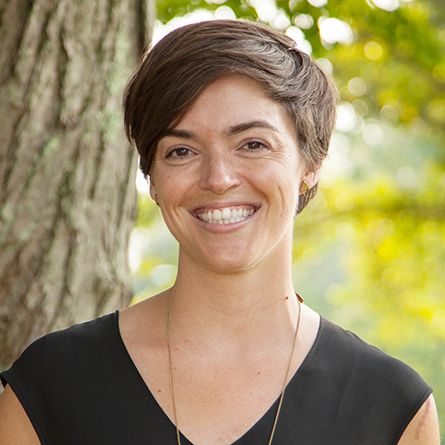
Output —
<point x="253" y="146"/>
<point x="180" y="152"/>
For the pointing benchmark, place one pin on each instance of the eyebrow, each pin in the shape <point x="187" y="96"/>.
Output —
<point x="232" y="130"/>
<point x="236" y="129"/>
<point x="184" y="134"/>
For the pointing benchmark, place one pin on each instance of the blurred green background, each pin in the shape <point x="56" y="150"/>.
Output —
<point x="369" y="252"/>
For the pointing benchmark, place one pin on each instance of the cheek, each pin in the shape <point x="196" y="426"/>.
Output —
<point x="163" y="183"/>
<point x="289" y="197"/>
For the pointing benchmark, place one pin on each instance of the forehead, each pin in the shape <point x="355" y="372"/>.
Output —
<point x="231" y="100"/>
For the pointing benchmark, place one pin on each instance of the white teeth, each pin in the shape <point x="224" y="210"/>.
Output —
<point x="226" y="213"/>
<point x="225" y="216"/>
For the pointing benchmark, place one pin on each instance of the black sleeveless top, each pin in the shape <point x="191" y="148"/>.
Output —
<point x="80" y="386"/>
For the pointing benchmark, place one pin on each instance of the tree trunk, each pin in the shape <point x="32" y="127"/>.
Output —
<point x="67" y="195"/>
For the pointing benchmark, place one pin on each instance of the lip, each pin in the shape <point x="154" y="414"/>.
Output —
<point x="220" y="205"/>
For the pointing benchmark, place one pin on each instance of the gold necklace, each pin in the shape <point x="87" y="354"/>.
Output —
<point x="300" y="300"/>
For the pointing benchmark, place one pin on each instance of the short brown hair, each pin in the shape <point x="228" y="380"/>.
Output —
<point x="177" y="69"/>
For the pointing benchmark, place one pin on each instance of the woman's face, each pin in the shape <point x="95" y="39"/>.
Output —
<point x="227" y="177"/>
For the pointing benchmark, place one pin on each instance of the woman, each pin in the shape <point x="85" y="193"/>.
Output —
<point x="232" y="123"/>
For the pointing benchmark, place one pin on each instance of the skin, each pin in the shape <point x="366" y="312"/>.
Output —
<point x="232" y="314"/>
<point x="246" y="157"/>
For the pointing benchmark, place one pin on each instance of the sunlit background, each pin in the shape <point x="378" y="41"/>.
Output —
<point x="369" y="251"/>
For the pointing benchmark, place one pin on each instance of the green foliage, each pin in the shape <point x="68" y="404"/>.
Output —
<point x="153" y="251"/>
<point x="169" y="9"/>
<point x="369" y="252"/>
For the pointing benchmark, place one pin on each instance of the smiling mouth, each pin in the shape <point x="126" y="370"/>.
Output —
<point x="225" y="215"/>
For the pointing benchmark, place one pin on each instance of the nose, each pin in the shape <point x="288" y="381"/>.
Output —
<point x="218" y="173"/>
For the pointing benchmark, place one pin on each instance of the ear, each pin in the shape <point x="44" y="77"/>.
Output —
<point x="311" y="177"/>
<point x="152" y="189"/>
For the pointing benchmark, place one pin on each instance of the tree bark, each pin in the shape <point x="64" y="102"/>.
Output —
<point x="67" y="194"/>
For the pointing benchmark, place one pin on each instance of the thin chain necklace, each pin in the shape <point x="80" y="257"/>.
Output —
<point x="300" y="300"/>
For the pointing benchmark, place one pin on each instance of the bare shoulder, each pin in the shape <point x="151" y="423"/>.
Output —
<point x="15" y="426"/>
<point x="310" y="321"/>
<point x="144" y="316"/>
<point x="424" y="427"/>
<point x="142" y="329"/>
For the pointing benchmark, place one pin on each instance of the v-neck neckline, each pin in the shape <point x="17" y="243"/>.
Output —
<point x="254" y="426"/>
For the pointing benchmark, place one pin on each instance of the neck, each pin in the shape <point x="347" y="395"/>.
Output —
<point x="246" y="305"/>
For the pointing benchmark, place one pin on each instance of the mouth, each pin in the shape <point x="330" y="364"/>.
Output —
<point x="225" y="215"/>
